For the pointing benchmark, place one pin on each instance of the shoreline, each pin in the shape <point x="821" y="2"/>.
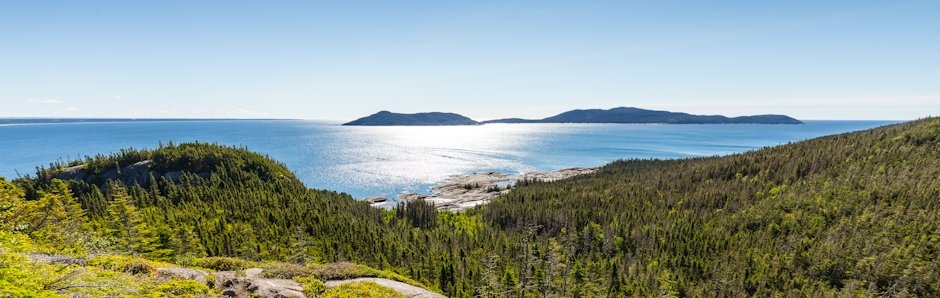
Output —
<point x="462" y="192"/>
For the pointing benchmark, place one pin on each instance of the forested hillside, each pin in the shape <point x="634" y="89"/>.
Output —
<point x="852" y="214"/>
<point x="856" y="214"/>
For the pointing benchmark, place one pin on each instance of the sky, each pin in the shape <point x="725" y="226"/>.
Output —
<point x="340" y="60"/>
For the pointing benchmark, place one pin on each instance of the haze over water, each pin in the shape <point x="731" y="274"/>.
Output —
<point x="369" y="161"/>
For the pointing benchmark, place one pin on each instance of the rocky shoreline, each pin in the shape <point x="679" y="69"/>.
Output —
<point x="462" y="192"/>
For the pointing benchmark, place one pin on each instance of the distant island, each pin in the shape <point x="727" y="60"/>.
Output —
<point x="615" y="115"/>
<point x="637" y="115"/>
<point x="386" y="118"/>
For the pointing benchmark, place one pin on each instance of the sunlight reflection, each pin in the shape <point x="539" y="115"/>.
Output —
<point x="418" y="156"/>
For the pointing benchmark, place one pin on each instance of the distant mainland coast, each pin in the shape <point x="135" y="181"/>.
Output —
<point x="15" y="121"/>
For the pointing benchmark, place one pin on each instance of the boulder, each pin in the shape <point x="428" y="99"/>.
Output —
<point x="253" y="272"/>
<point x="375" y="199"/>
<point x="250" y="284"/>
<point x="262" y="287"/>
<point x="184" y="273"/>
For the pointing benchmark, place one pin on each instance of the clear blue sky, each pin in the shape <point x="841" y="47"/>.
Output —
<point x="485" y="59"/>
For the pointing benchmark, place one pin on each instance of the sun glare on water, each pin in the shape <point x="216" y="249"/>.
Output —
<point x="420" y="155"/>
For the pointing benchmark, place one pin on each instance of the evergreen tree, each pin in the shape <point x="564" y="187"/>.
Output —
<point x="126" y="228"/>
<point x="11" y="198"/>
<point x="64" y="216"/>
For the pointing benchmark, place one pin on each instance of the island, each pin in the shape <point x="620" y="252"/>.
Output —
<point x="637" y="115"/>
<point x="615" y="115"/>
<point x="386" y="118"/>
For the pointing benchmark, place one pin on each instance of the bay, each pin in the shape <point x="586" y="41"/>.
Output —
<point x="370" y="161"/>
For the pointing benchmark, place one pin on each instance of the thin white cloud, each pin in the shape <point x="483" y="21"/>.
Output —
<point x="44" y="100"/>
<point x="884" y="106"/>
<point x="853" y="101"/>
<point x="242" y="113"/>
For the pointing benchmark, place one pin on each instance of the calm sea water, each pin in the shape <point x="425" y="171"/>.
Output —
<point x="368" y="161"/>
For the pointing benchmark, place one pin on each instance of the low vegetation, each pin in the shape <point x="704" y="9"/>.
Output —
<point x="22" y="275"/>
<point x="361" y="289"/>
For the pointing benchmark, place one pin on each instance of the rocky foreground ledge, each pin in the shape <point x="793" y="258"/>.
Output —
<point x="247" y="283"/>
<point x="462" y="192"/>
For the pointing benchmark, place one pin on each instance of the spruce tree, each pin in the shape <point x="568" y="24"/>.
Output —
<point x="11" y="198"/>
<point x="125" y="226"/>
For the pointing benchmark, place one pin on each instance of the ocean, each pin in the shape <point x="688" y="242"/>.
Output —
<point x="386" y="161"/>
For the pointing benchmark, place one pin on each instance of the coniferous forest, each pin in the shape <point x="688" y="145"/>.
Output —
<point x="848" y="215"/>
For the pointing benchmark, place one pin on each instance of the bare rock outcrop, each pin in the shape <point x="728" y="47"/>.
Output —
<point x="136" y="173"/>
<point x="74" y="173"/>
<point x="466" y="191"/>
<point x="184" y="273"/>
<point x="376" y="200"/>
<point x="463" y="192"/>
<point x="250" y="284"/>
<point x="556" y="174"/>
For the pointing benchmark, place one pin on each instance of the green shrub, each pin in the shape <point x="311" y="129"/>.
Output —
<point x="285" y="271"/>
<point x="312" y="287"/>
<point x="15" y="242"/>
<point x="361" y="289"/>
<point x="140" y="268"/>
<point x="336" y="271"/>
<point x="127" y="264"/>
<point x="210" y="279"/>
<point x="221" y="263"/>
<point x="182" y="288"/>
<point x="20" y="278"/>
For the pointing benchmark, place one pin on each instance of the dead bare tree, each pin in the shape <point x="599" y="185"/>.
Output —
<point x="528" y="260"/>
<point x="491" y="286"/>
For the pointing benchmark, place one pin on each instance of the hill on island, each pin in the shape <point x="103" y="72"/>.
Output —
<point x="636" y="115"/>
<point x="386" y="118"/>
<point x="847" y="215"/>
